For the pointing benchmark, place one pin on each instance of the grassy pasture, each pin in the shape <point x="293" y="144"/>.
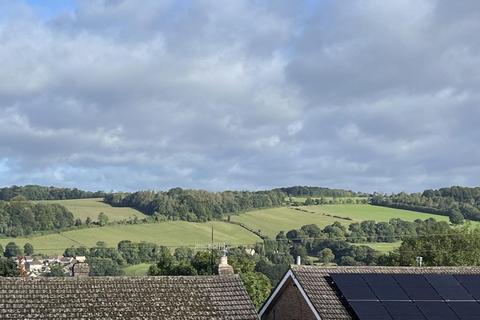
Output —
<point x="173" y="233"/>
<point x="271" y="221"/>
<point x="382" y="246"/>
<point x="137" y="270"/>
<point x="83" y="208"/>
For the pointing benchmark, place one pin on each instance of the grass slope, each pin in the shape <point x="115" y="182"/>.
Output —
<point x="271" y="221"/>
<point x="137" y="270"/>
<point x="83" y="208"/>
<point x="173" y="233"/>
<point x="382" y="246"/>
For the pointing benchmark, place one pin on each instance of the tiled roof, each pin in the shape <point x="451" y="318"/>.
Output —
<point x="316" y="283"/>
<point x="182" y="297"/>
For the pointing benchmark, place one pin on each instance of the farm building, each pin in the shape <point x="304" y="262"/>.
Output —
<point x="165" y="297"/>
<point x="375" y="293"/>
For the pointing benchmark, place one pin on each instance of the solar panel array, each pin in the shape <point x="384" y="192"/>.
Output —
<point x="411" y="296"/>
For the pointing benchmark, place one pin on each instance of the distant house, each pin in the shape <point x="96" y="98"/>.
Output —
<point x="371" y="293"/>
<point x="167" y="297"/>
<point x="35" y="266"/>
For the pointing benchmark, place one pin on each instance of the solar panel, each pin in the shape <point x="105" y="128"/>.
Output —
<point x="466" y="310"/>
<point x="403" y="310"/>
<point x="471" y="283"/>
<point x="411" y="296"/>
<point x="370" y="310"/>
<point x="416" y="287"/>
<point x="448" y="287"/>
<point x="385" y="287"/>
<point x="353" y="287"/>
<point x="436" y="310"/>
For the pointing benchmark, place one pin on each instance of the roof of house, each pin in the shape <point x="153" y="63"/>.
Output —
<point x="316" y="285"/>
<point x="168" y="297"/>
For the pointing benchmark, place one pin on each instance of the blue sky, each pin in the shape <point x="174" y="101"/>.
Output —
<point x="368" y="95"/>
<point x="48" y="9"/>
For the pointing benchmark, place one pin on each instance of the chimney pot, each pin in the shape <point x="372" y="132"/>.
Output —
<point x="224" y="269"/>
<point x="299" y="260"/>
<point x="80" y="268"/>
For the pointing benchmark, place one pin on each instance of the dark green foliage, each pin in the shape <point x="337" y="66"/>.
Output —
<point x="441" y="201"/>
<point x="19" y="218"/>
<point x="34" y="192"/>
<point x="257" y="285"/>
<point x="326" y="255"/>
<point x="194" y="205"/>
<point x="202" y="263"/>
<point x="273" y="271"/>
<point x="8" y="268"/>
<point x="102" y="219"/>
<point x="456" y="217"/>
<point x="304" y="191"/>
<point x="205" y="262"/>
<point x="183" y="254"/>
<point x="28" y="249"/>
<point x="12" y="250"/>
<point x="56" y="270"/>
<point x="104" y="267"/>
<point x="452" y="247"/>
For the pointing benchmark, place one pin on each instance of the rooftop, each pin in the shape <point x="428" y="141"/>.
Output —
<point x="179" y="297"/>
<point x="317" y="284"/>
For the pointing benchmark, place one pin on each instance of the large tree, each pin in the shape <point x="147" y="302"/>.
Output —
<point x="12" y="250"/>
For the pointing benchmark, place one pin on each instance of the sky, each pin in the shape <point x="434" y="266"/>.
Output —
<point x="368" y="95"/>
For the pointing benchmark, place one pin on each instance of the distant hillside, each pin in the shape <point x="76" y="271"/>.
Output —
<point x="445" y="201"/>
<point x="35" y="192"/>
<point x="307" y="191"/>
<point x="195" y="205"/>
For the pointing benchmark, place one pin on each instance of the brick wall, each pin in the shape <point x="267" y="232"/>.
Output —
<point x="289" y="305"/>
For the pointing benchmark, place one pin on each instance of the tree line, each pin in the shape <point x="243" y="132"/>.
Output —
<point x="308" y="191"/>
<point x="456" y="202"/>
<point x="20" y="218"/>
<point x="35" y="192"/>
<point x="195" y="205"/>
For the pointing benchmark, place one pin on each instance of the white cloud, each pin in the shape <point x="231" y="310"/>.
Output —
<point x="368" y="95"/>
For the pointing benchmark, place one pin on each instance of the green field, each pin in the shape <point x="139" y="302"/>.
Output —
<point x="271" y="221"/>
<point x="183" y="233"/>
<point x="83" y="208"/>
<point x="137" y="270"/>
<point x="172" y="233"/>
<point x="382" y="246"/>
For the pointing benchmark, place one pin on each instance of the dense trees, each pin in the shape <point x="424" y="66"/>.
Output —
<point x="12" y="250"/>
<point x="8" y="268"/>
<point x="442" y="201"/>
<point x="28" y="249"/>
<point x="56" y="270"/>
<point x="34" y="192"/>
<point x="304" y="191"/>
<point x="18" y="218"/>
<point x="451" y="247"/>
<point x="194" y="205"/>
<point x="104" y="267"/>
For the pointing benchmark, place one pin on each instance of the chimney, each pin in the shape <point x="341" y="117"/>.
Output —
<point x="224" y="269"/>
<point x="299" y="261"/>
<point x="419" y="261"/>
<point x="80" y="268"/>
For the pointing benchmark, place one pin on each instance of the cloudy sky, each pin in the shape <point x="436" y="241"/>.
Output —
<point x="369" y="95"/>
